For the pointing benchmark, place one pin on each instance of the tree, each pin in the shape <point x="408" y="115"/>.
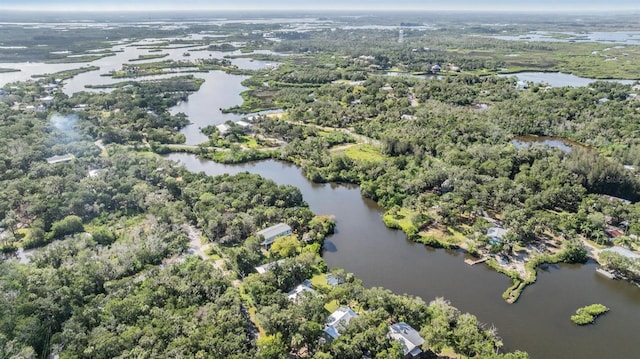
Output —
<point x="271" y="347"/>
<point x="285" y="246"/>
<point x="68" y="225"/>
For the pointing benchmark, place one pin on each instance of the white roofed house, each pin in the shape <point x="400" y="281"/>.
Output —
<point x="59" y="159"/>
<point x="409" y="338"/>
<point x="47" y="100"/>
<point x="270" y="234"/>
<point x="305" y="286"/>
<point x="244" y="124"/>
<point x="223" y="129"/>
<point x="337" y="322"/>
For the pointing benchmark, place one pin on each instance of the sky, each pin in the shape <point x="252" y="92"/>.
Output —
<point x="456" y="5"/>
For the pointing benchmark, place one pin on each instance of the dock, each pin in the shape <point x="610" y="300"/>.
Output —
<point x="471" y="262"/>
<point x="606" y="273"/>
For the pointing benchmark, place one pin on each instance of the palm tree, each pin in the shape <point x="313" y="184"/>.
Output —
<point x="624" y="241"/>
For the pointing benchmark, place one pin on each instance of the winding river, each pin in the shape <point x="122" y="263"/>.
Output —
<point x="538" y="323"/>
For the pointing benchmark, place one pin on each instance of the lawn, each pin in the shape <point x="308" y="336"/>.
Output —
<point x="364" y="152"/>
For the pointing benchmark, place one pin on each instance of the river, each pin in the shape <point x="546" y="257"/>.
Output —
<point x="538" y="323"/>
<point x="558" y="79"/>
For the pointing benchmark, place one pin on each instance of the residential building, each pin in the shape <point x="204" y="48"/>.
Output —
<point x="244" y="124"/>
<point x="271" y="233"/>
<point x="305" y="286"/>
<point x="337" y="322"/>
<point x="409" y="338"/>
<point x="47" y="100"/>
<point x="223" y="129"/>
<point x="267" y="267"/>
<point x="58" y="159"/>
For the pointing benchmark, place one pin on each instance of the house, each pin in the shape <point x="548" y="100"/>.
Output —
<point x="623" y="252"/>
<point x="93" y="173"/>
<point x="271" y="233"/>
<point x="522" y="85"/>
<point x="305" y="286"/>
<point x="267" y="267"/>
<point x="47" y="100"/>
<point x="613" y="232"/>
<point x="333" y="280"/>
<point x="496" y="234"/>
<point x="244" y="124"/>
<point x="337" y="322"/>
<point x="406" y="117"/>
<point x="58" y="159"/>
<point x="636" y="87"/>
<point x="408" y="337"/>
<point x="223" y="129"/>
<point x="436" y="68"/>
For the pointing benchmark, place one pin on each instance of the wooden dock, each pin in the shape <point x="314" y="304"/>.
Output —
<point x="471" y="262"/>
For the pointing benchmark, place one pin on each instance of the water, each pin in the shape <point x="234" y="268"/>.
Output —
<point x="558" y="79"/>
<point x="562" y="144"/>
<point x="220" y="90"/>
<point x="538" y="323"/>
<point x="626" y="37"/>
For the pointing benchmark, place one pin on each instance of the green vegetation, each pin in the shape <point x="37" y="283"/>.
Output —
<point x="149" y="57"/>
<point x="364" y="152"/>
<point x="621" y="266"/>
<point x="65" y="75"/>
<point x="588" y="314"/>
<point x="109" y="276"/>
<point x="5" y="70"/>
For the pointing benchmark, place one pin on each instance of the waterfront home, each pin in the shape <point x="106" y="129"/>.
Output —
<point x="305" y="286"/>
<point x="223" y="129"/>
<point x="270" y="234"/>
<point x="409" y="338"/>
<point x="244" y="124"/>
<point x="333" y="280"/>
<point x="337" y="322"/>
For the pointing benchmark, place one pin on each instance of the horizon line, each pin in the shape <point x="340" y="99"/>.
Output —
<point x="383" y="8"/>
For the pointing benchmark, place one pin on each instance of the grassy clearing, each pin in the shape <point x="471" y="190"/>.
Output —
<point x="320" y="281"/>
<point x="364" y="152"/>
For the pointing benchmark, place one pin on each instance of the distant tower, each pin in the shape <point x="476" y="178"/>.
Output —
<point x="400" y="36"/>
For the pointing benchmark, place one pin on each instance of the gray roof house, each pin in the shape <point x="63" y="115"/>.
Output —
<point x="267" y="267"/>
<point x="271" y="233"/>
<point x="337" y="322"/>
<point x="408" y="337"/>
<point x="305" y="286"/>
